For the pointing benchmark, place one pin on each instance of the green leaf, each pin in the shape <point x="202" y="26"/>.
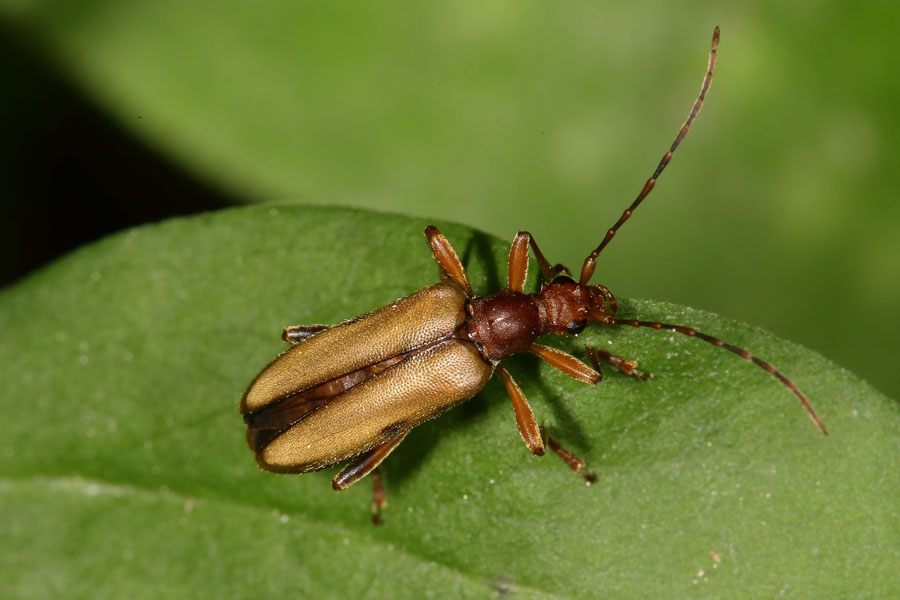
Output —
<point x="124" y="471"/>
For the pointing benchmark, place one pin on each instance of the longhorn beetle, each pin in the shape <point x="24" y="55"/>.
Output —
<point x="353" y="391"/>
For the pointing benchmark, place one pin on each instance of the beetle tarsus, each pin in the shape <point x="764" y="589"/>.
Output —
<point x="626" y="366"/>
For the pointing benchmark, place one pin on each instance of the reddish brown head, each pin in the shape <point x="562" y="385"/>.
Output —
<point x="570" y="306"/>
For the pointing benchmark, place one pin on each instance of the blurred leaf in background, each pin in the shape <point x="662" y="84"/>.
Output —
<point x="123" y="466"/>
<point x="779" y="210"/>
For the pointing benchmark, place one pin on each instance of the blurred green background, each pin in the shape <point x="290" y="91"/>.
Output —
<point x="780" y="208"/>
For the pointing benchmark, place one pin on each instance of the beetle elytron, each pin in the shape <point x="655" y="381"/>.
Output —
<point x="352" y="392"/>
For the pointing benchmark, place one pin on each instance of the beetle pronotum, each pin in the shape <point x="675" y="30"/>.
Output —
<point x="352" y="391"/>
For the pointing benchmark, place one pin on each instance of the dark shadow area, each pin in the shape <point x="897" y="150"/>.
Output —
<point x="480" y="247"/>
<point x="68" y="174"/>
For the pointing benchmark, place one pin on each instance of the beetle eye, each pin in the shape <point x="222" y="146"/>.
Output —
<point x="576" y="327"/>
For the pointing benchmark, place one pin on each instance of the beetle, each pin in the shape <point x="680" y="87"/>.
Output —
<point x="353" y="391"/>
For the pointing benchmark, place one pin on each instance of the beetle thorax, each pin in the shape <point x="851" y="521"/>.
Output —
<point x="505" y="323"/>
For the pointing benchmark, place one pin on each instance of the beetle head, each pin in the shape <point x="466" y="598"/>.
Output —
<point x="570" y="306"/>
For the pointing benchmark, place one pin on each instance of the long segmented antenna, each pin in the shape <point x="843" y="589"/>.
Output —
<point x="739" y="351"/>
<point x="587" y="270"/>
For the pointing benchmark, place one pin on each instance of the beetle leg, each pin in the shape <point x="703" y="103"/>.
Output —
<point x="567" y="363"/>
<point x="363" y="464"/>
<point x="626" y="366"/>
<point x="575" y="463"/>
<point x="547" y="272"/>
<point x="298" y="333"/>
<point x="518" y="262"/>
<point x="447" y="259"/>
<point x="528" y="427"/>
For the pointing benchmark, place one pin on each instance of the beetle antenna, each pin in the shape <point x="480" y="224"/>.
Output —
<point x="587" y="270"/>
<point x="739" y="351"/>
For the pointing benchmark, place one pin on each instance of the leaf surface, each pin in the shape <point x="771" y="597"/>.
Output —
<point x="124" y="471"/>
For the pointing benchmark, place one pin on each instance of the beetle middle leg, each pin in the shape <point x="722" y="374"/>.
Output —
<point x="534" y="435"/>
<point x="575" y="463"/>
<point x="528" y="427"/>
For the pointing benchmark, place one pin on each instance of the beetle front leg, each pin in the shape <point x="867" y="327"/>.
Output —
<point x="362" y="466"/>
<point x="567" y="363"/>
<point x="547" y="272"/>
<point x="298" y="333"/>
<point x="624" y="365"/>
<point x="518" y="262"/>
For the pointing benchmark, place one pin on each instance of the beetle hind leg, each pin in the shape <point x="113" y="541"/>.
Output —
<point x="367" y="463"/>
